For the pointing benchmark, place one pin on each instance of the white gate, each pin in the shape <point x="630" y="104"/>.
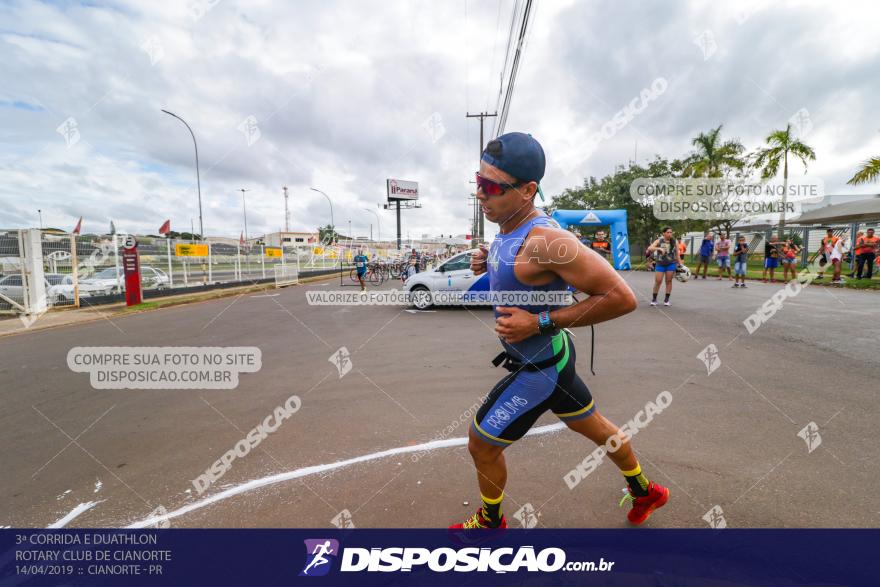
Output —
<point x="22" y="284"/>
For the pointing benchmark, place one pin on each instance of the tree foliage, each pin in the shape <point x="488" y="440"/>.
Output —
<point x="612" y="192"/>
<point x="870" y="171"/>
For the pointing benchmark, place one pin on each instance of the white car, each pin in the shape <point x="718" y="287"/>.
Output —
<point x="10" y="287"/>
<point x="105" y="282"/>
<point x="109" y="282"/>
<point x="59" y="288"/>
<point x="154" y="278"/>
<point x="453" y="275"/>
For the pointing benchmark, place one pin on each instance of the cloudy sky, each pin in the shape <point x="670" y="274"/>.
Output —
<point x="342" y="95"/>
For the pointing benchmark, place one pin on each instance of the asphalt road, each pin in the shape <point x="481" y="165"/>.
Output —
<point x="728" y="439"/>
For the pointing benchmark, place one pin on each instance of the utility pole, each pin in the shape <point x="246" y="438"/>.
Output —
<point x="378" y="224"/>
<point x="482" y="116"/>
<point x="286" y="212"/>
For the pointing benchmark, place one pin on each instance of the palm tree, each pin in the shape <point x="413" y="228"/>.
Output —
<point x="870" y="171"/>
<point x="713" y="158"/>
<point x="781" y="143"/>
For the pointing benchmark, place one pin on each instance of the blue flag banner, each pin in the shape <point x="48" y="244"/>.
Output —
<point x="437" y="557"/>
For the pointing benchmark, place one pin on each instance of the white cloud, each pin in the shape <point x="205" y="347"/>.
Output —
<point x="341" y="91"/>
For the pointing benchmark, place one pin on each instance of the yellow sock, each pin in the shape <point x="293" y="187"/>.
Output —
<point x="492" y="508"/>
<point x="638" y="483"/>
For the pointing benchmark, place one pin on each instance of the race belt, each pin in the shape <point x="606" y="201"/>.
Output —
<point x="513" y="364"/>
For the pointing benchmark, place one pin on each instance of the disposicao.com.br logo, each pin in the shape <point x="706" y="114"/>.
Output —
<point x="320" y="554"/>
<point x="442" y="560"/>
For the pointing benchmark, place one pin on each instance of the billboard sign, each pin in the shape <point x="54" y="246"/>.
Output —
<point x="183" y="250"/>
<point x="399" y="189"/>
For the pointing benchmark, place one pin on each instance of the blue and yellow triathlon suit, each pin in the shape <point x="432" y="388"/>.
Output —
<point x="542" y="368"/>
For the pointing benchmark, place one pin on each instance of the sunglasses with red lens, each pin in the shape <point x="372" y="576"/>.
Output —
<point x="493" y="188"/>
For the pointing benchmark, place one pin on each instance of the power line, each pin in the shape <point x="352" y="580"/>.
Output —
<point x="494" y="52"/>
<point x="503" y="73"/>
<point x="511" y="84"/>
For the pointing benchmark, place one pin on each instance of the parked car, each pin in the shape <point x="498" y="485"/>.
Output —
<point x="59" y="288"/>
<point x="152" y="277"/>
<point x="109" y="281"/>
<point x="10" y="287"/>
<point x="106" y="282"/>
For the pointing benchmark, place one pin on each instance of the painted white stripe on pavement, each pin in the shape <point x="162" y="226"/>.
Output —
<point x="315" y="469"/>
<point x="74" y="513"/>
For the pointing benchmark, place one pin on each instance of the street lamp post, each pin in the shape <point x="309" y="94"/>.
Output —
<point x="198" y="179"/>
<point x="247" y="250"/>
<point x="244" y="210"/>
<point x="332" y="223"/>
<point x="378" y="223"/>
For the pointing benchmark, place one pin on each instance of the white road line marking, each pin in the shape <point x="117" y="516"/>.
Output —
<point x="265" y="296"/>
<point x="74" y="513"/>
<point x="316" y="469"/>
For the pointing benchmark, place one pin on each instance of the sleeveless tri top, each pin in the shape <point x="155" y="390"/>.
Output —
<point x="500" y="266"/>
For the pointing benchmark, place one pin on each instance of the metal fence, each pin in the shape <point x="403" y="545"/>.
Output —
<point x="87" y="269"/>
<point x="810" y="238"/>
<point x="12" y="297"/>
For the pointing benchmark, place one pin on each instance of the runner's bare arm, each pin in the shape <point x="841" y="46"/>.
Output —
<point x="558" y="252"/>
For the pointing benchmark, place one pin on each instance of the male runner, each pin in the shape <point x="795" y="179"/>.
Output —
<point x="667" y="258"/>
<point x="532" y="254"/>
<point x="360" y="263"/>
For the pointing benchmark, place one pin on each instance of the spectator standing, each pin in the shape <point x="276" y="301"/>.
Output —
<point x="601" y="245"/>
<point x="741" y="265"/>
<point x="866" y="253"/>
<point x="722" y="248"/>
<point x="706" y="249"/>
<point x="789" y="259"/>
<point x="771" y="258"/>
<point x="667" y="257"/>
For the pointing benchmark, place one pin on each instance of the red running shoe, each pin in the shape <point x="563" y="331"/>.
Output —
<point x="643" y="507"/>
<point x="477" y="521"/>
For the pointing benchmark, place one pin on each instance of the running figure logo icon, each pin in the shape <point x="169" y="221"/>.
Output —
<point x="715" y="518"/>
<point x="810" y="434"/>
<point x="342" y="360"/>
<point x="320" y="553"/>
<point x="710" y="358"/>
<point x="527" y="516"/>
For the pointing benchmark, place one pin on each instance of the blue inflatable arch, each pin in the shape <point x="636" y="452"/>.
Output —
<point x="616" y="219"/>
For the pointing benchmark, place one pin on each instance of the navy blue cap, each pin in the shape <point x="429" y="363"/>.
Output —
<point x="517" y="154"/>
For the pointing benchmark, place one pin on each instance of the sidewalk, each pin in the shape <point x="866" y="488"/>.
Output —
<point x="66" y="317"/>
